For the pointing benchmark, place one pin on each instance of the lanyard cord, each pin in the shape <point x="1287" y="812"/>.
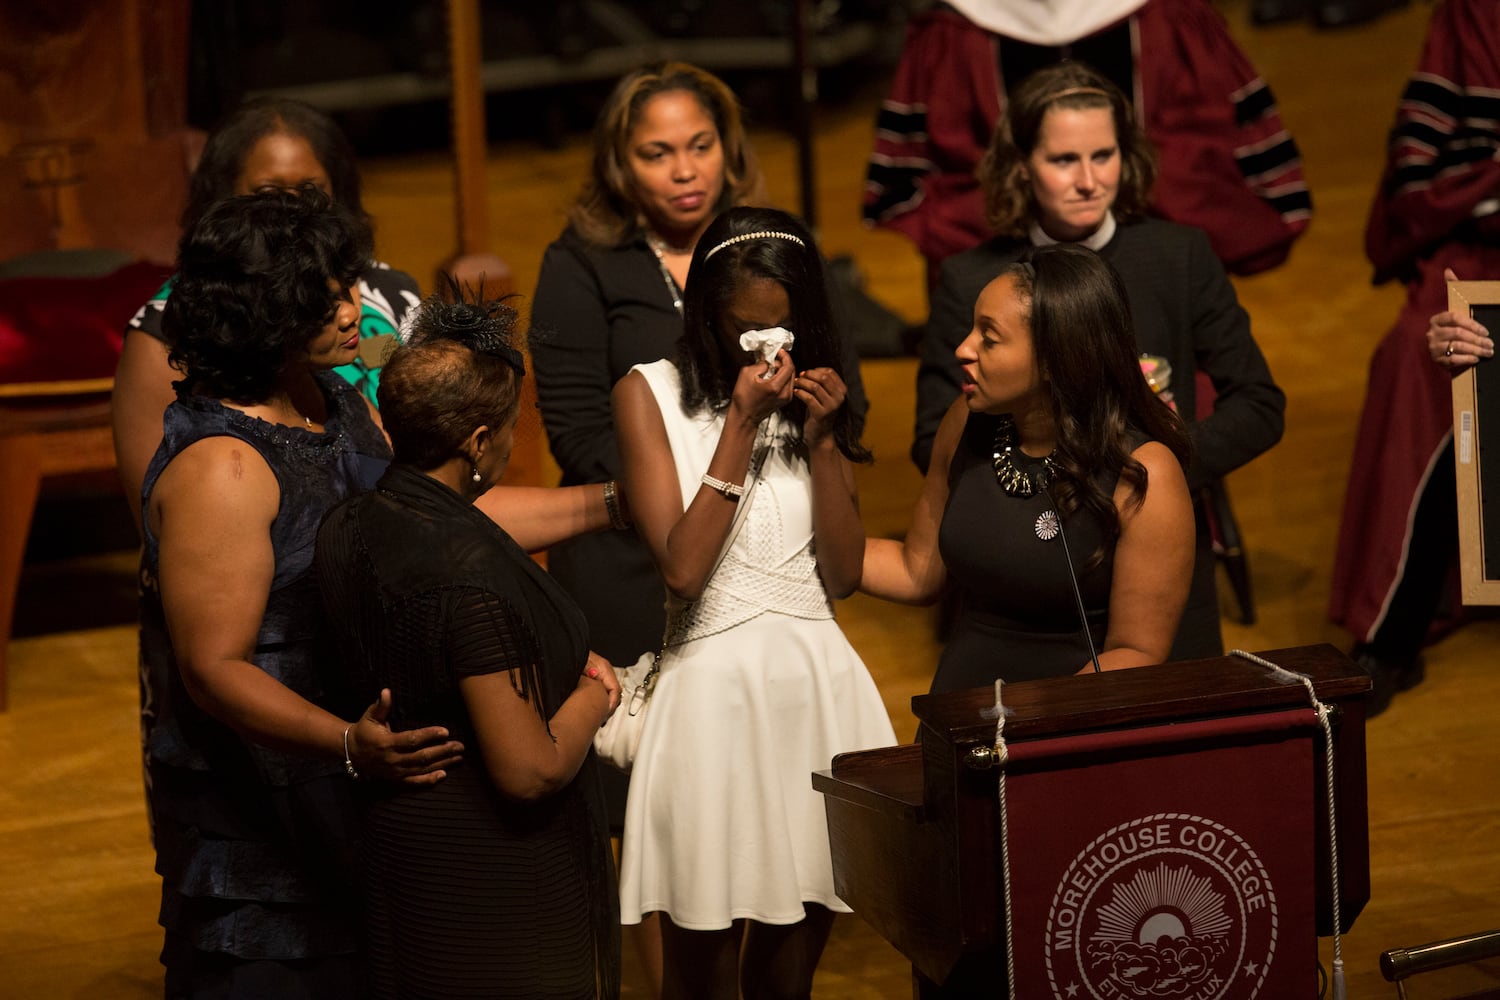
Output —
<point x="1333" y="824"/>
<point x="1002" y="754"/>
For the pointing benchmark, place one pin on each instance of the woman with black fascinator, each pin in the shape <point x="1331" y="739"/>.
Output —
<point x="497" y="882"/>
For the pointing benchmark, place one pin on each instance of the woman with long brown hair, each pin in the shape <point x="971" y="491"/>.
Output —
<point x="1056" y="489"/>
<point x="1069" y="164"/>
<point x="670" y="154"/>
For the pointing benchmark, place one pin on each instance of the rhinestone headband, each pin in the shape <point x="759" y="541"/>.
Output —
<point x="1076" y="92"/>
<point x="765" y="235"/>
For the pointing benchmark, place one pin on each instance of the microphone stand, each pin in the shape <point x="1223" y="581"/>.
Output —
<point x="1083" y="618"/>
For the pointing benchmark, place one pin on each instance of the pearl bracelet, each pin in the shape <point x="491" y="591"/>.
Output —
<point x="729" y="491"/>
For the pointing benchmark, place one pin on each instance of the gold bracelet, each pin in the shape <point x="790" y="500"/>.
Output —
<point x="617" y="518"/>
<point x="348" y="762"/>
<point x="729" y="491"/>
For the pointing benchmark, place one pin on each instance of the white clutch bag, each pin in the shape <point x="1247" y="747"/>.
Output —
<point x="620" y="737"/>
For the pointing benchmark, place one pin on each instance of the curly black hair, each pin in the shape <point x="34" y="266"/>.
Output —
<point x="258" y="278"/>
<point x="461" y="368"/>
<point x="232" y="139"/>
<point x="708" y="371"/>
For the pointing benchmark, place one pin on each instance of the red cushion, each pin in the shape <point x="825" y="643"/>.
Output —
<point x="53" y="329"/>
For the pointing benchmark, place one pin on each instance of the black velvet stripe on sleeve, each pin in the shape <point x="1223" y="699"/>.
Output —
<point x="1269" y="160"/>
<point x="1254" y="104"/>
<point x="895" y="186"/>
<point x="908" y="125"/>
<point x="1435" y="93"/>
<point x="1292" y="202"/>
<point x="1442" y="128"/>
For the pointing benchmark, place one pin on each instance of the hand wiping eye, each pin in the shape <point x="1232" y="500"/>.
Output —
<point x="765" y="344"/>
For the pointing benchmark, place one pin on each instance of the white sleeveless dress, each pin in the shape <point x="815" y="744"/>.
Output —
<point x="758" y="689"/>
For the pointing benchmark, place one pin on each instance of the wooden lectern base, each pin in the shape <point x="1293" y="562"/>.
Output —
<point x="1167" y="833"/>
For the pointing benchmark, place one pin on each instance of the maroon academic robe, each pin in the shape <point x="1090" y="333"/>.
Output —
<point x="1228" y="165"/>
<point x="1440" y="168"/>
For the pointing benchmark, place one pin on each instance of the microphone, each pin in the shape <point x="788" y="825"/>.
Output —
<point x="1083" y="618"/>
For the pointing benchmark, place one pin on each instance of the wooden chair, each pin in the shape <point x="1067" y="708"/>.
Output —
<point x="1229" y="549"/>
<point x="46" y="429"/>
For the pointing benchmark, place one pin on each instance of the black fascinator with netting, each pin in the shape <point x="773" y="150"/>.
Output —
<point x="485" y="326"/>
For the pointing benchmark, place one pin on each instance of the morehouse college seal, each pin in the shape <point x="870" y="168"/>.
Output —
<point x="1170" y="906"/>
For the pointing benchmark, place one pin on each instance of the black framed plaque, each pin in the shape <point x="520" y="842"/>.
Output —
<point x="1476" y="449"/>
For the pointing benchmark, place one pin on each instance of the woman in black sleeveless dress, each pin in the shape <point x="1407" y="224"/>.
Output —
<point x="1056" y="463"/>
<point x="1069" y="164"/>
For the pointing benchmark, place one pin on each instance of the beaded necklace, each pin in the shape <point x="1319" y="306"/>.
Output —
<point x="1018" y="482"/>
<point x="660" y="248"/>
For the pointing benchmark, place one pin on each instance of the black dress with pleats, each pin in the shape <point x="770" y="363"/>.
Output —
<point x="470" y="893"/>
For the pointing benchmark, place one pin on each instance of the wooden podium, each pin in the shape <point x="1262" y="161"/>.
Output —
<point x="1167" y="832"/>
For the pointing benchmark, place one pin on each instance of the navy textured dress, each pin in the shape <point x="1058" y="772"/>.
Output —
<point x="256" y="847"/>
<point x="1018" y="619"/>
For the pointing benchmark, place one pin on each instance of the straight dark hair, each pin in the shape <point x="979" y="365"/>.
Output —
<point x="759" y="249"/>
<point x="1085" y="348"/>
<point x="232" y="139"/>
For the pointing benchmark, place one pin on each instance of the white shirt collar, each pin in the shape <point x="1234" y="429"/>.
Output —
<point x="1046" y="22"/>
<point x="1095" y="241"/>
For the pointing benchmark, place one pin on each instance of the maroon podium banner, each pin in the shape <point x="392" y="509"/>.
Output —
<point x="1165" y="863"/>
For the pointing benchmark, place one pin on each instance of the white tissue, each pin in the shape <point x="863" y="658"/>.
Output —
<point x="766" y="342"/>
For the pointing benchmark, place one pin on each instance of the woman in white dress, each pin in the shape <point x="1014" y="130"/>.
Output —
<point x="739" y="474"/>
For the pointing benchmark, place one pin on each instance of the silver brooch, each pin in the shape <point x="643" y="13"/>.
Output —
<point x="1047" y="525"/>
